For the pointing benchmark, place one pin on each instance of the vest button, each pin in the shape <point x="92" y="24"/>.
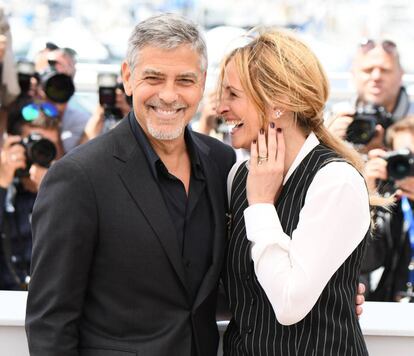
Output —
<point x="249" y="330"/>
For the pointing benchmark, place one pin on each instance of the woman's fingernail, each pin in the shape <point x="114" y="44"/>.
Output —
<point x="279" y="130"/>
<point x="261" y="131"/>
<point x="272" y="125"/>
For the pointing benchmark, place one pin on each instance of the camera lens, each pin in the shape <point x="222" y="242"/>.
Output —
<point x="59" y="87"/>
<point x="361" y="130"/>
<point x="398" y="167"/>
<point x="41" y="152"/>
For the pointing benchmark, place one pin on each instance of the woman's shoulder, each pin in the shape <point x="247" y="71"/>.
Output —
<point x="340" y="171"/>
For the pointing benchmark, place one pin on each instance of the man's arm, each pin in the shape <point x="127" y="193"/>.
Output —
<point x="64" y="234"/>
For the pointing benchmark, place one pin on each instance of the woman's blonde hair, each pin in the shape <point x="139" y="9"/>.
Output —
<point x="276" y="66"/>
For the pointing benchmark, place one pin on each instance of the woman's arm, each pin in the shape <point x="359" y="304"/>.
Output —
<point x="333" y="221"/>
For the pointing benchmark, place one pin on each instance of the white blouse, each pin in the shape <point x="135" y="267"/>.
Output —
<point x="333" y="221"/>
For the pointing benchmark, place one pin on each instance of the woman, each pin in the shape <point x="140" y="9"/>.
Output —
<point x="300" y="208"/>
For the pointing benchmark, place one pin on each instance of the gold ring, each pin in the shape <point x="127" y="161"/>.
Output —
<point x="261" y="159"/>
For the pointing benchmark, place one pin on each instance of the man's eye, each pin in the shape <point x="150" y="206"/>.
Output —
<point x="186" y="81"/>
<point x="152" y="79"/>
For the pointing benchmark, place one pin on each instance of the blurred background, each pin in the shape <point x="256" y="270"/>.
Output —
<point x="98" y="30"/>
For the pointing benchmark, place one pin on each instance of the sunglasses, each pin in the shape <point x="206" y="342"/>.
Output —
<point x="32" y="111"/>
<point x="368" y="44"/>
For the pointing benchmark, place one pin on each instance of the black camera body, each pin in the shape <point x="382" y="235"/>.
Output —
<point x="39" y="150"/>
<point x="400" y="164"/>
<point x="107" y="85"/>
<point x="362" y="128"/>
<point x="25" y="72"/>
<point x="58" y="87"/>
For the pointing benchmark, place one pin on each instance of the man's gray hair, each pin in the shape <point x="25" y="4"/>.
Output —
<point x="166" y="31"/>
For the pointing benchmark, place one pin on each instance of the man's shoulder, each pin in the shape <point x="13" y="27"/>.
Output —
<point x="221" y="154"/>
<point x="213" y="143"/>
<point x="93" y="151"/>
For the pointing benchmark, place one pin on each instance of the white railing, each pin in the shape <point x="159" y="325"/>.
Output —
<point x="388" y="328"/>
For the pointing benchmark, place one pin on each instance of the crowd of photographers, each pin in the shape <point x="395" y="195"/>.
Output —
<point x="40" y="121"/>
<point x="378" y="124"/>
<point x="44" y="122"/>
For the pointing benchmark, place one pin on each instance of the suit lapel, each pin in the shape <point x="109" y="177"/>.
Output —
<point x="217" y="199"/>
<point x="138" y="180"/>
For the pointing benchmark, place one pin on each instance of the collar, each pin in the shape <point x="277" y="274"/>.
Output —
<point x="401" y="108"/>
<point x="155" y="162"/>
<point x="310" y="143"/>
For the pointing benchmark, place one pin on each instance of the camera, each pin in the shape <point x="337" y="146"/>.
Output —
<point x="39" y="150"/>
<point x="58" y="87"/>
<point x="362" y="128"/>
<point x="25" y="72"/>
<point x="107" y="85"/>
<point x="400" y="164"/>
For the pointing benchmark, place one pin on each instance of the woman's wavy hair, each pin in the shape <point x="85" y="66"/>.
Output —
<point x="278" y="67"/>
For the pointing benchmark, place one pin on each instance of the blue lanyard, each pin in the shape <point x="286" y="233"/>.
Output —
<point x="409" y="227"/>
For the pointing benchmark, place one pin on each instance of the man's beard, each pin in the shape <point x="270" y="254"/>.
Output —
<point x="165" y="135"/>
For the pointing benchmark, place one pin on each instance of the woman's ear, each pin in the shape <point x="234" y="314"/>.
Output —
<point x="277" y="113"/>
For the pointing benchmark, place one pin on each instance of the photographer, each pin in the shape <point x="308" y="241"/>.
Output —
<point x="57" y="83"/>
<point x="389" y="252"/>
<point x="113" y="105"/>
<point x="32" y="143"/>
<point x="377" y="75"/>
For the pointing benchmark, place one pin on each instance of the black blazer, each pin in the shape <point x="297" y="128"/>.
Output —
<point x="107" y="276"/>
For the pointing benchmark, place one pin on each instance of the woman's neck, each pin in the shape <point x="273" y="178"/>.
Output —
<point x="294" y="140"/>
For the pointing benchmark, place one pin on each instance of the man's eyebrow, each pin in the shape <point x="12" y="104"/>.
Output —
<point x="153" y="72"/>
<point x="188" y="75"/>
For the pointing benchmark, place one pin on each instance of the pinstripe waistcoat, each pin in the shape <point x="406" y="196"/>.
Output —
<point x="331" y="327"/>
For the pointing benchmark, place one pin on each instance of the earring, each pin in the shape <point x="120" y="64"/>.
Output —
<point x="278" y="113"/>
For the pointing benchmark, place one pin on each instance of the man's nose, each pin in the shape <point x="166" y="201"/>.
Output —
<point x="376" y="73"/>
<point x="168" y="93"/>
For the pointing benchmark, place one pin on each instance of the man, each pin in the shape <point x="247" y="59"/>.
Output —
<point x="129" y="229"/>
<point x="377" y="75"/>
<point x="18" y="192"/>
<point x="389" y="253"/>
<point x="72" y="115"/>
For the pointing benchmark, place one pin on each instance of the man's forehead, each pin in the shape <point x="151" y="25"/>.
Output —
<point x="377" y="58"/>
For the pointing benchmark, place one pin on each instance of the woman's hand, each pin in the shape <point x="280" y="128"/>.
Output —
<point x="266" y="167"/>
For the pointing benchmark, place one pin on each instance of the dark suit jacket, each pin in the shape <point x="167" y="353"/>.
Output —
<point x="107" y="275"/>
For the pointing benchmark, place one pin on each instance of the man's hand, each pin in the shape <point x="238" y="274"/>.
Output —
<point x="359" y="299"/>
<point x="339" y="123"/>
<point x="36" y="175"/>
<point x="12" y="157"/>
<point x="208" y="117"/>
<point x="94" y="125"/>
<point x="375" y="168"/>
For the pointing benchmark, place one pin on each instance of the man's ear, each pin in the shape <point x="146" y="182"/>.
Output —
<point x="126" y="77"/>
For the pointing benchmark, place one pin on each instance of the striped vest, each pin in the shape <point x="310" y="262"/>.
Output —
<point x="331" y="327"/>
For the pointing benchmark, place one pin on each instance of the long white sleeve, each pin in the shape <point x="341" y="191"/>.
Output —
<point x="333" y="221"/>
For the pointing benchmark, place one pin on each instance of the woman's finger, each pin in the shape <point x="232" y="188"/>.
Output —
<point x="271" y="143"/>
<point x="280" y="156"/>
<point x="253" y="152"/>
<point x="262" y="147"/>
